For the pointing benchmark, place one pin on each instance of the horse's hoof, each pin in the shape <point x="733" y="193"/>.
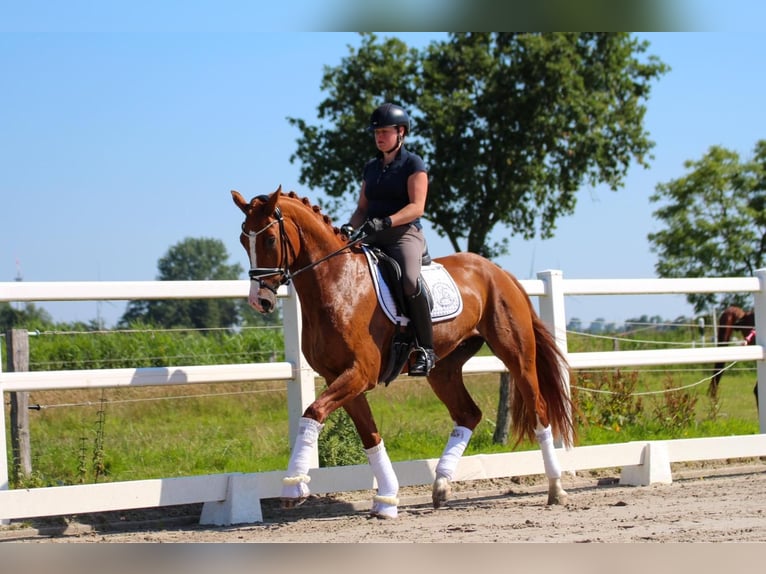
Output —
<point x="556" y="493"/>
<point x="558" y="499"/>
<point x="382" y="513"/>
<point x="288" y="503"/>
<point x="384" y="507"/>
<point x="441" y="491"/>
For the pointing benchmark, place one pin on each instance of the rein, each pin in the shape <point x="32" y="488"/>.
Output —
<point x="259" y="273"/>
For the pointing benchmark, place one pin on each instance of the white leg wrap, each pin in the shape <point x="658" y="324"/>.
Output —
<point x="456" y="444"/>
<point x="385" y="502"/>
<point x="550" y="460"/>
<point x="294" y="485"/>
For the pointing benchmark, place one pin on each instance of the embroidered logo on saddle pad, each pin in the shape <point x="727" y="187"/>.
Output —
<point x="447" y="302"/>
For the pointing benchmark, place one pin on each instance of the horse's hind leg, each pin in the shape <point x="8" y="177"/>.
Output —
<point x="556" y="492"/>
<point x="533" y="360"/>
<point x="385" y="502"/>
<point x="446" y="380"/>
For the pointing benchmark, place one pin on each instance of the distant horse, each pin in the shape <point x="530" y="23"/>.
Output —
<point x="348" y="340"/>
<point x="733" y="320"/>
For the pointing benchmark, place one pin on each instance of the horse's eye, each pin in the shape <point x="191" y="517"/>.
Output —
<point x="271" y="241"/>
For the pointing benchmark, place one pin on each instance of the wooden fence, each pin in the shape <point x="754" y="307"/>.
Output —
<point x="235" y="497"/>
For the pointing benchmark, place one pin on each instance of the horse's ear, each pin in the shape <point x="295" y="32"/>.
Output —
<point x="271" y="204"/>
<point x="240" y="201"/>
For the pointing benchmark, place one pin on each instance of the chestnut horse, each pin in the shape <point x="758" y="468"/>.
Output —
<point x="733" y="320"/>
<point x="347" y="339"/>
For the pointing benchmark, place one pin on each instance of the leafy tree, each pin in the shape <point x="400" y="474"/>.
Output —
<point x="510" y="124"/>
<point x="28" y="317"/>
<point x="715" y="222"/>
<point x="193" y="259"/>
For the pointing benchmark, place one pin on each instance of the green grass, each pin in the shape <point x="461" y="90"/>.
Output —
<point x="204" y="429"/>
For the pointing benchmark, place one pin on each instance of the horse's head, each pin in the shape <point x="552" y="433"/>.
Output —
<point x="265" y="240"/>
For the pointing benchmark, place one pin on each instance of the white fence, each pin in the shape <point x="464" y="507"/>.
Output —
<point x="235" y="498"/>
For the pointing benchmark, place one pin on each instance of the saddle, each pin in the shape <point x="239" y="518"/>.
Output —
<point x="392" y="277"/>
<point x="442" y="294"/>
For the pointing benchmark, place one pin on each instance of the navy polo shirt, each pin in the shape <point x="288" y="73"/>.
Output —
<point x="386" y="187"/>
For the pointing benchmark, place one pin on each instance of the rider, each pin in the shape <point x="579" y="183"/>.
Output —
<point x="391" y="202"/>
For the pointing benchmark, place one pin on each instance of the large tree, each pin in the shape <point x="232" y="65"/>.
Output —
<point x="511" y="125"/>
<point x="715" y="222"/>
<point x="193" y="259"/>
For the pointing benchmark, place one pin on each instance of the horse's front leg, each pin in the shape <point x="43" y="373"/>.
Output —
<point x="345" y="391"/>
<point x="295" y="489"/>
<point x="385" y="502"/>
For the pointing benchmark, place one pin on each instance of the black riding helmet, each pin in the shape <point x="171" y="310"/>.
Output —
<point x="390" y="115"/>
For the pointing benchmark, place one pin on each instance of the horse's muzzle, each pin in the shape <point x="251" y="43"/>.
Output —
<point x="262" y="299"/>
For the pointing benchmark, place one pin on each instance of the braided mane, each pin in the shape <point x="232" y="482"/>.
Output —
<point x="315" y="208"/>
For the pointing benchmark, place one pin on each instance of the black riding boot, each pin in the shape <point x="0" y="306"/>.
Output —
<point x="420" y="317"/>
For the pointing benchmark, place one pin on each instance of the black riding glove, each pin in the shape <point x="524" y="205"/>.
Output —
<point x="374" y="225"/>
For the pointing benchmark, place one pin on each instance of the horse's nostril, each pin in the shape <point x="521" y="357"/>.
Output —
<point x="265" y="305"/>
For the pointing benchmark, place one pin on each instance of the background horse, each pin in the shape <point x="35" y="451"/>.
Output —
<point x="347" y="338"/>
<point x="732" y="320"/>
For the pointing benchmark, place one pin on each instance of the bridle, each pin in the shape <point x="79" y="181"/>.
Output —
<point x="260" y="273"/>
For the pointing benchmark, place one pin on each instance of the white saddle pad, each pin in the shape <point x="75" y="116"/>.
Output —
<point x="447" y="300"/>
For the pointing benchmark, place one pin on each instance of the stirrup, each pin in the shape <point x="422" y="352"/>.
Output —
<point x="425" y="360"/>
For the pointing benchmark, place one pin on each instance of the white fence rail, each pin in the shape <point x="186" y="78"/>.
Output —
<point x="235" y="498"/>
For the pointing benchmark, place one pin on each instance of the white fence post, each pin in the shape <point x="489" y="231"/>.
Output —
<point x="552" y="311"/>
<point x="301" y="391"/>
<point x="760" y="338"/>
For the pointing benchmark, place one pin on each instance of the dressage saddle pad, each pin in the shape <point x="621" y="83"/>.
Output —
<point x="447" y="302"/>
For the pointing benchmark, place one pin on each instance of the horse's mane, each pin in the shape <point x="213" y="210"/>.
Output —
<point x="314" y="208"/>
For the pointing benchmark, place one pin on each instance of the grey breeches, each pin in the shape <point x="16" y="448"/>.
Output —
<point x="405" y="244"/>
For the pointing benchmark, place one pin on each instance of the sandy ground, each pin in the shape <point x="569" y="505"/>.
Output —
<point x="705" y="503"/>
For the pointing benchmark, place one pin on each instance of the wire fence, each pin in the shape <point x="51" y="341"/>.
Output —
<point x="273" y="353"/>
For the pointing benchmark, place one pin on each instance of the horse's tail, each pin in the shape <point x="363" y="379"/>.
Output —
<point x="729" y="318"/>
<point x="553" y="373"/>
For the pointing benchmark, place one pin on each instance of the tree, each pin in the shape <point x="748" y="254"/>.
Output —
<point x="28" y="317"/>
<point x="715" y="222"/>
<point x="510" y="124"/>
<point x="193" y="259"/>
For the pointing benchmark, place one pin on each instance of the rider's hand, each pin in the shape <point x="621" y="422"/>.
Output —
<point x="376" y="224"/>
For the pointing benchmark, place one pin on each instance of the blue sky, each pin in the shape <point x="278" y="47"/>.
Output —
<point x="117" y="145"/>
